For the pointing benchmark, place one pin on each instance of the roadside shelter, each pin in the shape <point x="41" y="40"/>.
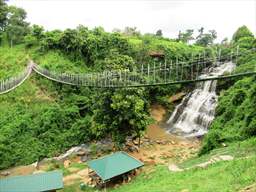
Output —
<point x="40" y="182"/>
<point x="114" y="165"/>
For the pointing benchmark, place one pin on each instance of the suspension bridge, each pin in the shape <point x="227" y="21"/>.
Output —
<point x="167" y="73"/>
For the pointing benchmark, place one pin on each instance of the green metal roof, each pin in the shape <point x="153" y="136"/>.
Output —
<point x="114" y="164"/>
<point x="33" y="183"/>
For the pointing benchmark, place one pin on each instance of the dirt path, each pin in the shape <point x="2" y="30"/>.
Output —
<point x="157" y="112"/>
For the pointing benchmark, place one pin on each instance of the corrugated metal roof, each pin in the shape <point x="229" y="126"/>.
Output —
<point x="113" y="165"/>
<point x="33" y="183"/>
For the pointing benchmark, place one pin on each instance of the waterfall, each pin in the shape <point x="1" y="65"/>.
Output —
<point x="195" y="113"/>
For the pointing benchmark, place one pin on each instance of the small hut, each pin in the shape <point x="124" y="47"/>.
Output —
<point x="40" y="182"/>
<point x="112" y="166"/>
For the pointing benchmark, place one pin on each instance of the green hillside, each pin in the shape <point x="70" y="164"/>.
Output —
<point x="42" y="119"/>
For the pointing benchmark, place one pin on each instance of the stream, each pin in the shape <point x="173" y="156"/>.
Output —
<point x="193" y="116"/>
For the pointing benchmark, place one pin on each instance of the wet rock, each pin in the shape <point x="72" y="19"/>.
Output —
<point x="136" y="142"/>
<point x="68" y="153"/>
<point x="81" y="152"/>
<point x="85" y="158"/>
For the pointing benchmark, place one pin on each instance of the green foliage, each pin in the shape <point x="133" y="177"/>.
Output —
<point x="159" y="33"/>
<point x="186" y="36"/>
<point x="235" y="113"/>
<point x="49" y="118"/>
<point x="16" y="27"/>
<point x="205" y="39"/>
<point x="3" y="17"/>
<point x="234" y="176"/>
<point x="242" y="32"/>
<point x="121" y="113"/>
<point x="12" y="61"/>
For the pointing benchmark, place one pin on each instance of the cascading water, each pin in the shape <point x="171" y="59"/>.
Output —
<point x="194" y="114"/>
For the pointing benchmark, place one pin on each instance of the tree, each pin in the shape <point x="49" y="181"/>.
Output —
<point x="242" y="32"/>
<point x="16" y="27"/>
<point x="131" y="31"/>
<point x="224" y="41"/>
<point x="205" y="39"/>
<point x="37" y="31"/>
<point x="201" y="32"/>
<point x="121" y="113"/>
<point x="3" y="17"/>
<point x="186" y="36"/>
<point x="3" y="14"/>
<point x="159" y="33"/>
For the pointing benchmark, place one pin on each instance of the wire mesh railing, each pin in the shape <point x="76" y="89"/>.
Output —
<point x="171" y="72"/>
<point x="11" y="83"/>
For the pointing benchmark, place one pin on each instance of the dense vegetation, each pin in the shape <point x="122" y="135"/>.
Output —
<point x="235" y="114"/>
<point x="42" y="118"/>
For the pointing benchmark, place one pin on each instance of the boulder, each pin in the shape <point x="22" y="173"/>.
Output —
<point x="226" y="157"/>
<point x="5" y="173"/>
<point x="85" y="158"/>
<point x="81" y="152"/>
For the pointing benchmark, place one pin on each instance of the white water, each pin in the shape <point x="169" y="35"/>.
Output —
<point x="195" y="113"/>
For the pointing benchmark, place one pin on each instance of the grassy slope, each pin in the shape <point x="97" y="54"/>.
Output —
<point x="219" y="177"/>
<point x="12" y="61"/>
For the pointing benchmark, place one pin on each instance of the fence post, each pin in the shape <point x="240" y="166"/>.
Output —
<point x="231" y="55"/>
<point x="191" y="65"/>
<point x="177" y="75"/>
<point x="237" y="52"/>
<point x="219" y="55"/>
<point x="148" y="71"/>
<point x="170" y="71"/>
<point x="204" y="63"/>
<point x="181" y="75"/>
<point x="197" y="66"/>
<point x="165" y="71"/>
<point x="154" y="71"/>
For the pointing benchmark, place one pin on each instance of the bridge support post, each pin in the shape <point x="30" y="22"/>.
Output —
<point x="191" y="65"/>
<point x="219" y="55"/>
<point x="170" y="71"/>
<point x="204" y="62"/>
<point x="237" y="52"/>
<point x="177" y="74"/>
<point x="164" y="71"/>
